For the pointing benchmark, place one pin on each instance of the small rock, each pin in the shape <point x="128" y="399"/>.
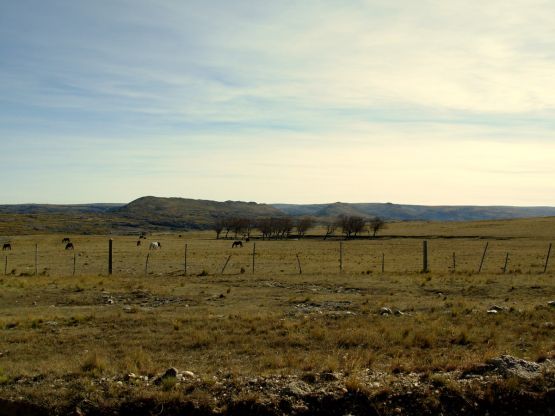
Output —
<point x="496" y="308"/>
<point x="189" y="374"/>
<point x="551" y="303"/>
<point x="398" y="312"/>
<point x="385" y="311"/>
<point x="492" y="312"/>
<point x="296" y="388"/>
<point x="328" y="376"/>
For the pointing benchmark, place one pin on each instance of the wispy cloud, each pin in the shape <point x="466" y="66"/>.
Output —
<point x="232" y="97"/>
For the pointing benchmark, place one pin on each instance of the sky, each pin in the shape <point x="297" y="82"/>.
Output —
<point x="420" y="102"/>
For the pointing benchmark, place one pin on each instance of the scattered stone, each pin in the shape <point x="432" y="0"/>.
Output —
<point x="551" y="303"/>
<point x="385" y="311"/>
<point x="189" y="374"/>
<point x="496" y="308"/>
<point x="507" y="365"/>
<point x="329" y="376"/>
<point x="169" y="373"/>
<point x="398" y="312"/>
<point x="296" y="388"/>
<point x="492" y="312"/>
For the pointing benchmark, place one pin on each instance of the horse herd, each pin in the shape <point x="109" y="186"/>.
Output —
<point x="155" y="245"/>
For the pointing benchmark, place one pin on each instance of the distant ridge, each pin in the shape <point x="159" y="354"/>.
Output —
<point x="191" y="213"/>
<point x="404" y="212"/>
<point x="169" y="214"/>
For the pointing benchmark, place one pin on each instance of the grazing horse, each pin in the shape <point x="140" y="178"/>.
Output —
<point x="155" y="245"/>
<point x="237" y="244"/>
<point x="7" y="246"/>
<point x="138" y="243"/>
<point x="69" y="246"/>
<point x="247" y="239"/>
<point x="65" y="240"/>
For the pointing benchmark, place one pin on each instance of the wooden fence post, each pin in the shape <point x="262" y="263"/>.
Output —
<point x="383" y="262"/>
<point x="483" y="257"/>
<point x="424" y="256"/>
<point x="6" y="266"/>
<point x="146" y="264"/>
<point x="547" y="258"/>
<point x="341" y="256"/>
<point x="36" y="259"/>
<point x="506" y="262"/>
<point x="299" y="264"/>
<point x="185" y="262"/>
<point x="110" y="245"/>
<point x="454" y="262"/>
<point x="225" y="265"/>
<point x="74" y="261"/>
<point x="253" y="255"/>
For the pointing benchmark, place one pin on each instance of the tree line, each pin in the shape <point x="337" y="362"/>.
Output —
<point x="351" y="226"/>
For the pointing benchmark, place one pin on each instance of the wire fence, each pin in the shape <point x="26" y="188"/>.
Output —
<point x="177" y="256"/>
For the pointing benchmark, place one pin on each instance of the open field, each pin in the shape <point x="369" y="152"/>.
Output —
<point x="276" y="341"/>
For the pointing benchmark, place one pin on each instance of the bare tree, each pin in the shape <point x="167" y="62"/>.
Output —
<point x="331" y="226"/>
<point x="303" y="225"/>
<point x="218" y="226"/>
<point x="351" y="225"/>
<point x="375" y="225"/>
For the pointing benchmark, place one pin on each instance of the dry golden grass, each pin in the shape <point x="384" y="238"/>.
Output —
<point x="274" y="321"/>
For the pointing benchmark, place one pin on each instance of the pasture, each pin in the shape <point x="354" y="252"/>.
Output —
<point x="86" y="332"/>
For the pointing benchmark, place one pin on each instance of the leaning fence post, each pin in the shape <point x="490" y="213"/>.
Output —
<point x="299" y="264"/>
<point x="110" y="241"/>
<point x="424" y="256"/>
<point x="547" y="258"/>
<point x="225" y="265"/>
<point x="506" y="262"/>
<point x="483" y="257"/>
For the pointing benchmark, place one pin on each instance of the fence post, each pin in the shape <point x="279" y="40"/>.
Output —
<point x="110" y="241"/>
<point x="253" y="254"/>
<point x="299" y="263"/>
<point x="506" y="262"/>
<point x="425" y="256"/>
<point x="36" y="259"/>
<point x="225" y="265"/>
<point x="483" y="257"/>
<point x="341" y="256"/>
<point x="185" y="262"/>
<point x="74" y="261"/>
<point x="454" y="262"/>
<point x="146" y="264"/>
<point x="547" y="258"/>
<point x="6" y="266"/>
<point x="383" y="262"/>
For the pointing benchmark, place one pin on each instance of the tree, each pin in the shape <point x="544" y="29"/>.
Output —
<point x="351" y="225"/>
<point x="331" y="226"/>
<point x="218" y="226"/>
<point x="375" y="225"/>
<point x="303" y="225"/>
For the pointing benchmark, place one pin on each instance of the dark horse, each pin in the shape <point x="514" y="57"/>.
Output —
<point x="69" y="246"/>
<point x="237" y="244"/>
<point x="7" y="246"/>
<point x="138" y="243"/>
<point x="65" y="240"/>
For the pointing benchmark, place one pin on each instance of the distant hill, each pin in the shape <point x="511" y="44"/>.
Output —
<point x="191" y="213"/>
<point x="57" y="209"/>
<point x="171" y="214"/>
<point x="401" y="212"/>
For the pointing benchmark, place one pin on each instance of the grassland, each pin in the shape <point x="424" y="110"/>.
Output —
<point x="276" y="341"/>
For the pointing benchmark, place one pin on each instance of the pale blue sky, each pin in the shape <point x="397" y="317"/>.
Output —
<point x="428" y="102"/>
